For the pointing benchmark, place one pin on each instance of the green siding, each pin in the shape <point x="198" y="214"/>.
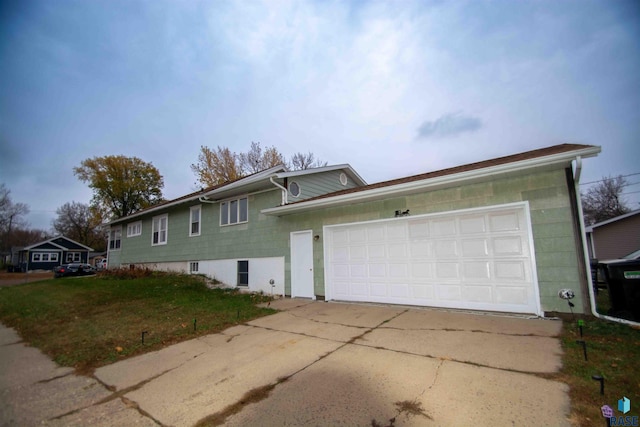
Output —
<point x="266" y="236"/>
<point x="313" y="185"/>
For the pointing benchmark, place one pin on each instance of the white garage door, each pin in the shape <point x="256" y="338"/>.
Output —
<point x="480" y="259"/>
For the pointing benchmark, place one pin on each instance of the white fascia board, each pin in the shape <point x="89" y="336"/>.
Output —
<point x="439" y="181"/>
<point x="264" y="175"/>
<point x="51" y="242"/>
<point x="260" y="176"/>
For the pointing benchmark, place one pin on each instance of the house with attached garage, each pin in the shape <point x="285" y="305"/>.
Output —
<point x="501" y="235"/>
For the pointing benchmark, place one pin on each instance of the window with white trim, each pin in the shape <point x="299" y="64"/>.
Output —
<point x="73" y="256"/>
<point x="294" y="189"/>
<point x="234" y="211"/>
<point x="194" y="220"/>
<point x="193" y="267"/>
<point x="134" y="229"/>
<point x="159" y="230"/>
<point x="44" y="256"/>
<point x="115" y="237"/>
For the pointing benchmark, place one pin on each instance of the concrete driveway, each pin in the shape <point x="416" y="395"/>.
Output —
<point x="315" y="363"/>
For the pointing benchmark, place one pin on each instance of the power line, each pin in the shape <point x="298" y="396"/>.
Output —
<point x="602" y="180"/>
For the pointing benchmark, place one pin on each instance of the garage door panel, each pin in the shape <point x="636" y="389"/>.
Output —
<point x="474" y="270"/>
<point x="377" y="251"/>
<point x="377" y="270"/>
<point x="446" y="248"/>
<point x="357" y="253"/>
<point x="398" y="271"/>
<point x="505" y="222"/>
<point x="397" y="231"/>
<point x="399" y="290"/>
<point x="473" y="225"/>
<point x="423" y="291"/>
<point x="378" y="289"/>
<point x="397" y="250"/>
<point x="419" y="229"/>
<point x="341" y="271"/>
<point x="357" y="235"/>
<point x="443" y="227"/>
<point x="358" y="271"/>
<point x="509" y="245"/>
<point x="516" y="295"/>
<point x="447" y="270"/>
<point x="510" y="270"/>
<point x="479" y="293"/>
<point x="420" y="250"/>
<point x="375" y="234"/>
<point x="477" y="259"/>
<point x="421" y="270"/>
<point x="360" y="289"/>
<point x="449" y="292"/>
<point x="340" y="254"/>
<point x="475" y="247"/>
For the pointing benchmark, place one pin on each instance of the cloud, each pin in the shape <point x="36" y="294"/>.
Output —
<point x="451" y="124"/>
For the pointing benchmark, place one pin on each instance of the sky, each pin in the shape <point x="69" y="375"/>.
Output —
<point x="394" y="88"/>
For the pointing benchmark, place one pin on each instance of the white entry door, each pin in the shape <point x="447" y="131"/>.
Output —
<point x="302" y="264"/>
<point x="480" y="259"/>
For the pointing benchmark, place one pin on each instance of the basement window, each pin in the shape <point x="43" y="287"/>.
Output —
<point x="194" y="267"/>
<point x="243" y="273"/>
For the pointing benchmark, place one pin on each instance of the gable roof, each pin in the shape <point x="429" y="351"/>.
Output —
<point x="55" y="242"/>
<point x="247" y="184"/>
<point x="612" y="220"/>
<point x="556" y="154"/>
<point x="345" y="167"/>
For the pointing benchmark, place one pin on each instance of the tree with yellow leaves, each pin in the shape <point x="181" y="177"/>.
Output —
<point x="121" y="185"/>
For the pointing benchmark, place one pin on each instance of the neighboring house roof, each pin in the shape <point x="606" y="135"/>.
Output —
<point x="57" y="243"/>
<point x="557" y="154"/>
<point x="590" y="228"/>
<point x="247" y="184"/>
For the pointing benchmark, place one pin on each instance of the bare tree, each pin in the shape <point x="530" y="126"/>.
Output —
<point x="79" y="222"/>
<point x="11" y="217"/>
<point x="218" y="166"/>
<point x="605" y="200"/>
<point x="255" y="160"/>
<point x="300" y="161"/>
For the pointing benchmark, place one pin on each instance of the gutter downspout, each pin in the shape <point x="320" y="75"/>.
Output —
<point x="284" y="190"/>
<point x="583" y="235"/>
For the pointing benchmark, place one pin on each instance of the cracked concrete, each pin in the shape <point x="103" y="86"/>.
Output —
<point x="313" y="363"/>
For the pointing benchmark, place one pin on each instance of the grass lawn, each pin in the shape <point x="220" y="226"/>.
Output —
<point x="613" y="352"/>
<point x="88" y="322"/>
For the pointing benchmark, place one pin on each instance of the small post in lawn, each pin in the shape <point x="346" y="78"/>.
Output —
<point x="143" y="333"/>
<point x="601" y="379"/>
<point x="580" y="326"/>
<point x="584" y="348"/>
<point x="194" y="324"/>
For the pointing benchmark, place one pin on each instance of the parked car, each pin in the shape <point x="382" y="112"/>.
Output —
<point x="74" y="269"/>
<point x="102" y="264"/>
